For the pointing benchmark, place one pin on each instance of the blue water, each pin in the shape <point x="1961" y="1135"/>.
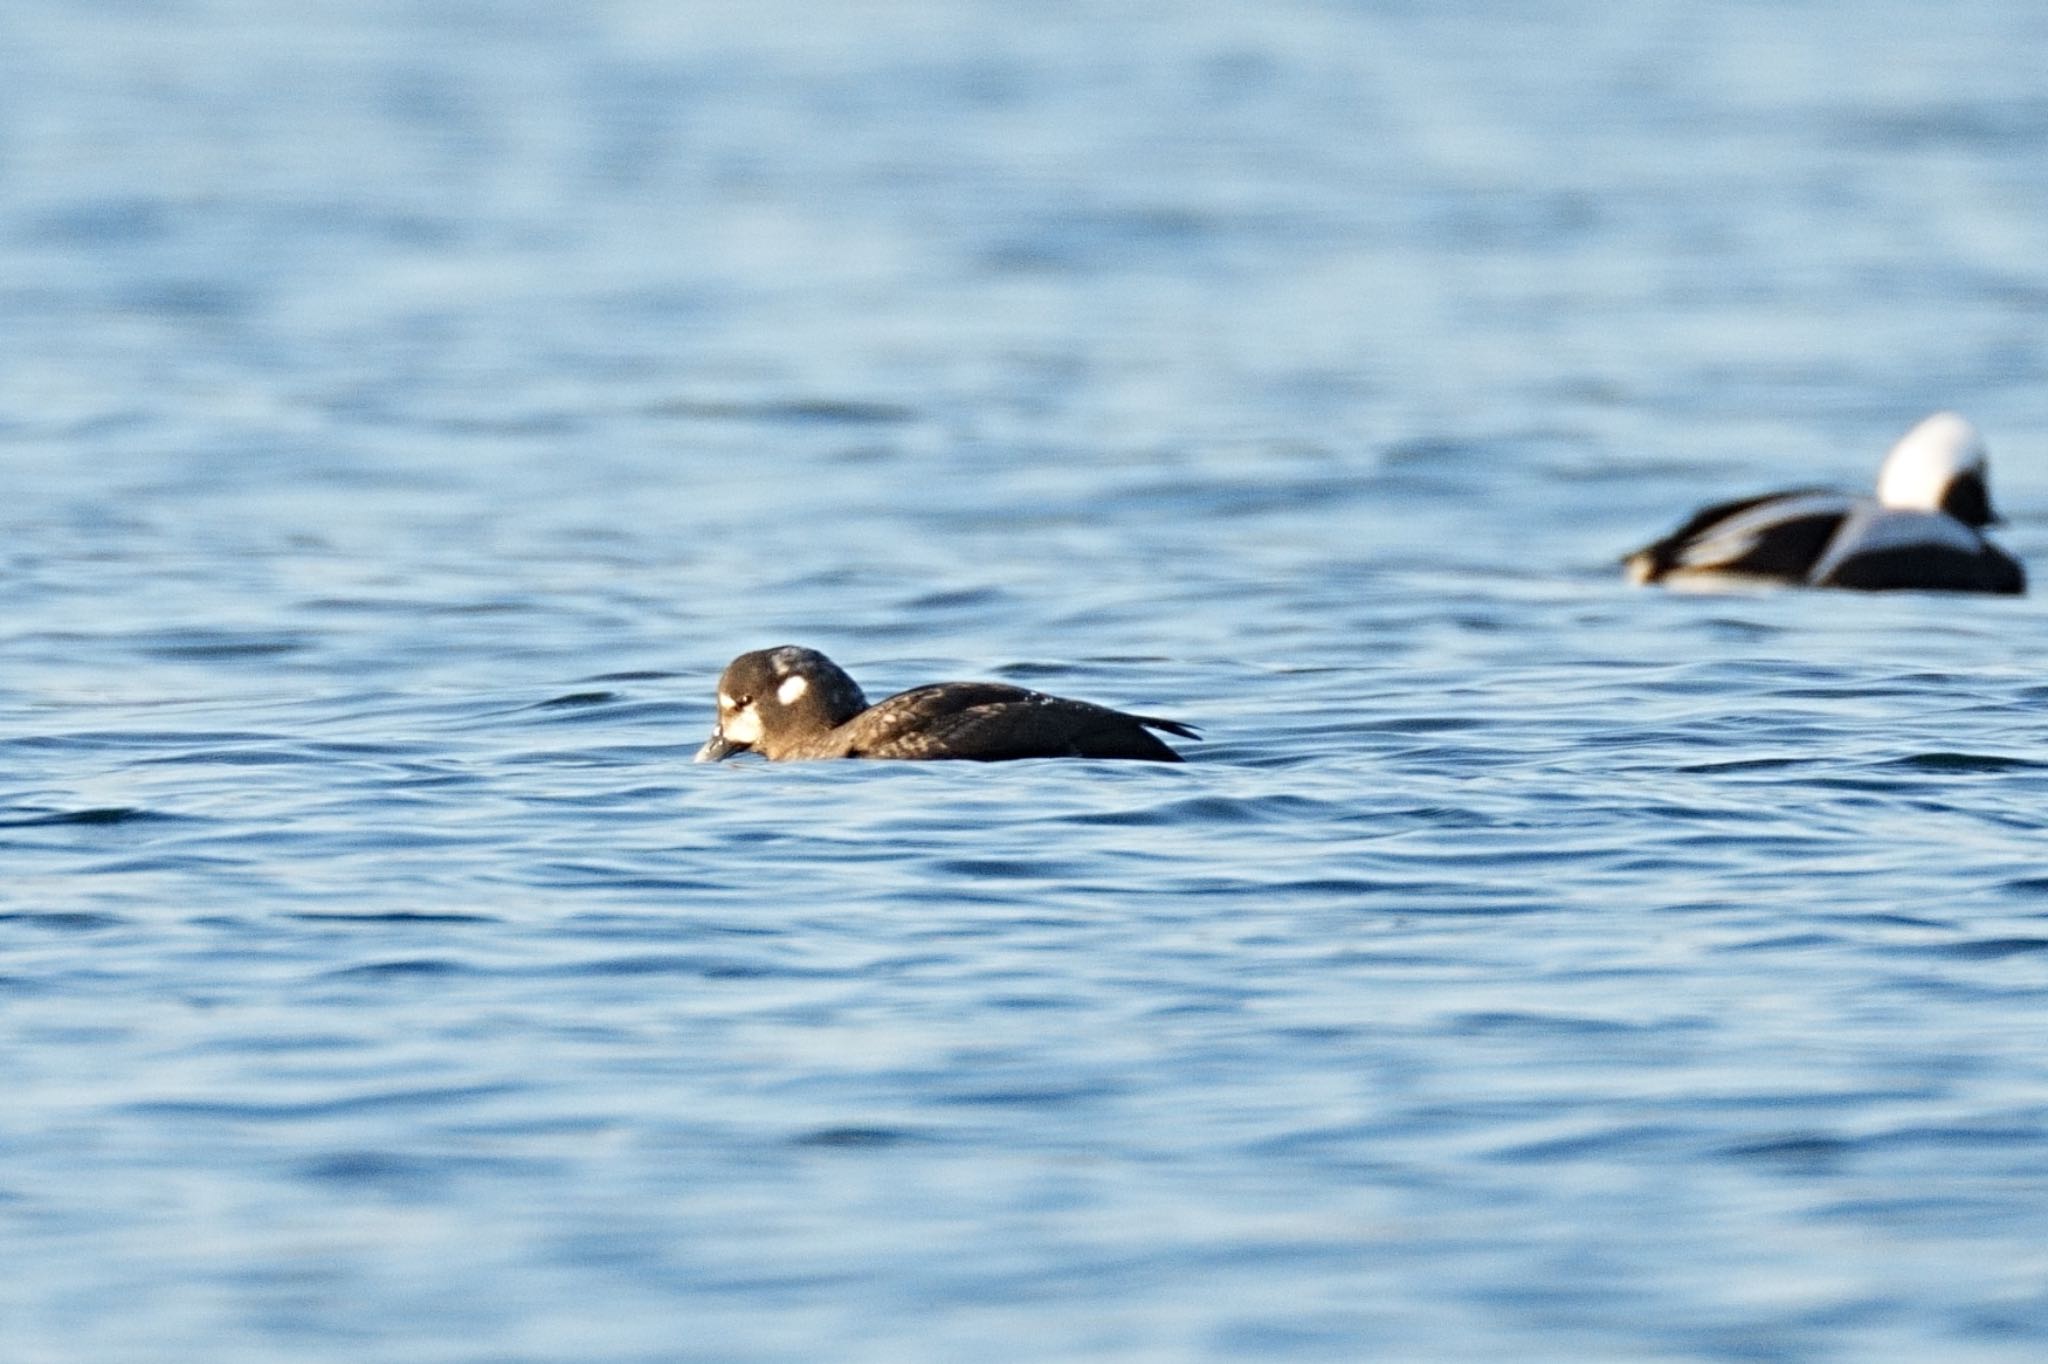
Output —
<point x="407" y="409"/>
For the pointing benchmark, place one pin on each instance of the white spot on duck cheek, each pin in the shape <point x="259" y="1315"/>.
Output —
<point x="792" y="690"/>
<point x="741" y="726"/>
<point x="726" y="702"/>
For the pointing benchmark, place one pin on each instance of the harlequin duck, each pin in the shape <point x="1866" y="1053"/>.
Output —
<point x="1923" y="530"/>
<point x="793" y="703"/>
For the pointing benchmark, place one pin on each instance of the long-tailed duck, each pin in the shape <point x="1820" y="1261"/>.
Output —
<point x="794" y="703"/>
<point x="1923" y="530"/>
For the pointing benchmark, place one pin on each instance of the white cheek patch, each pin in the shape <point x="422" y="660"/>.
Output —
<point x="741" y="726"/>
<point x="792" y="690"/>
<point x="726" y="702"/>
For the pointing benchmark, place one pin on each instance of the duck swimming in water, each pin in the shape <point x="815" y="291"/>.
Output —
<point x="795" y="703"/>
<point x="1924" y="529"/>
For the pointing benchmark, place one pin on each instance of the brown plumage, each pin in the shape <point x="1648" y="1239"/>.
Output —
<point x="793" y="703"/>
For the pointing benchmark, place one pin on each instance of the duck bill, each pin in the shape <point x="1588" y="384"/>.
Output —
<point x="717" y="748"/>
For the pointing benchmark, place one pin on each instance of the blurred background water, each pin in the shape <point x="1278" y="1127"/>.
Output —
<point x="409" y="407"/>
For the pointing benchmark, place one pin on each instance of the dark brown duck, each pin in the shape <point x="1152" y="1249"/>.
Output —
<point x="793" y="703"/>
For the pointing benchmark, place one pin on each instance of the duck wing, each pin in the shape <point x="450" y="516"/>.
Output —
<point x="993" y="722"/>
<point x="1778" y="535"/>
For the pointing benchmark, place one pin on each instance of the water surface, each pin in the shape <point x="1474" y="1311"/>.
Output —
<point x="410" y="408"/>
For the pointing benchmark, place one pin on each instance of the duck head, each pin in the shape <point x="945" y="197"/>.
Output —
<point x="772" y="700"/>
<point x="1940" y="466"/>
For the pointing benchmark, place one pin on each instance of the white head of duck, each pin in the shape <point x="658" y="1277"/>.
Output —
<point x="1939" y="466"/>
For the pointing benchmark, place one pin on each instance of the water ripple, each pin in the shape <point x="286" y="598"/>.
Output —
<point x="1525" y="967"/>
